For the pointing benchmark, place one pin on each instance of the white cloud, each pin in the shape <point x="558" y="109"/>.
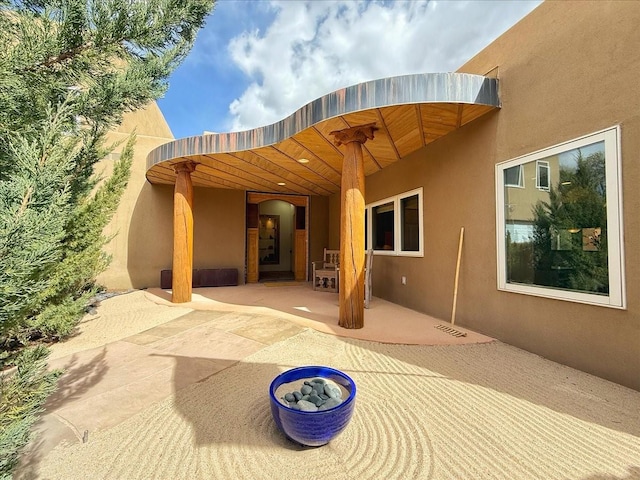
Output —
<point x="314" y="47"/>
<point x="223" y="24"/>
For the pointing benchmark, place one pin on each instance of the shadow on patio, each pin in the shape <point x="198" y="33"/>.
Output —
<point x="461" y="412"/>
<point x="299" y="303"/>
<point x="482" y="362"/>
<point x="464" y="411"/>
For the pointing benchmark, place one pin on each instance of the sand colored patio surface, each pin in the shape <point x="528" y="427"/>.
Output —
<point x="200" y="376"/>
<point x="298" y="303"/>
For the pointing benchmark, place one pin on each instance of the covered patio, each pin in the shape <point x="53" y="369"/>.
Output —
<point x="328" y="146"/>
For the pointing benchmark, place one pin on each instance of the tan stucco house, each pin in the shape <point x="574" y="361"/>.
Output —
<point x="533" y="147"/>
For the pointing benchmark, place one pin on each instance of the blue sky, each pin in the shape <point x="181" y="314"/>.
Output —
<point x="257" y="61"/>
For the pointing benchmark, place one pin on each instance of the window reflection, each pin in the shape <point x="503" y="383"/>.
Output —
<point x="556" y="225"/>
<point x="410" y="224"/>
<point x="383" y="223"/>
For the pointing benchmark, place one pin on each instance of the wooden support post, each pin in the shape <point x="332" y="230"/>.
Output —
<point x="182" y="233"/>
<point x="352" y="248"/>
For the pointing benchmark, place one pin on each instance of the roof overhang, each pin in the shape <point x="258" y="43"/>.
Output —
<point x="409" y="111"/>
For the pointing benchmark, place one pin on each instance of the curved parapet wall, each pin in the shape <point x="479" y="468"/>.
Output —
<point x="457" y="98"/>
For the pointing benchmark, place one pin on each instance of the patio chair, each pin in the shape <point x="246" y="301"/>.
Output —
<point x="326" y="272"/>
<point x="368" y="271"/>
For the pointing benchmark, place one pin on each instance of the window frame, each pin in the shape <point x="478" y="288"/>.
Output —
<point x="545" y="164"/>
<point x="397" y="224"/>
<point x="617" y="287"/>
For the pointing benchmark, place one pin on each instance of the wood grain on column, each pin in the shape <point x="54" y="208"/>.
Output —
<point x="182" y="233"/>
<point x="352" y="247"/>
<point x="300" y="256"/>
<point x="253" y="273"/>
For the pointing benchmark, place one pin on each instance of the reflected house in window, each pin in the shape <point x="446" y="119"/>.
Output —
<point x="557" y="237"/>
<point x="522" y="191"/>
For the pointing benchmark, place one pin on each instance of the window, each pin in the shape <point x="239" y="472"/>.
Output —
<point x="383" y="222"/>
<point x="513" y="177"/>
<point x="396" y="225"/>
<point x="410" y="223"/>
<point x="563" y="238"/>
<point x="542" y="177"/>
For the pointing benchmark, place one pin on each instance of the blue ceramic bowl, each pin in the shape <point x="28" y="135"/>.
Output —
<point x="312" y="429"/>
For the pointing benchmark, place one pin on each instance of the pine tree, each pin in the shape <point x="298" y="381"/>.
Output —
<point x="23" y="393"/>
<point x="577" y="202"/>
<point x="69" y="69"/>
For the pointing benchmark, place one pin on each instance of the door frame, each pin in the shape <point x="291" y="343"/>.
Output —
<point x="301" y="236"/>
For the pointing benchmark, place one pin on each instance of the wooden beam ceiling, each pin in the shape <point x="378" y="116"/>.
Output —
<point x="269" y="159"/>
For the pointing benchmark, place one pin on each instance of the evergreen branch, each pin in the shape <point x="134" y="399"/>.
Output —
<point x="61" y="57"/>
<point x="25" y="201"/>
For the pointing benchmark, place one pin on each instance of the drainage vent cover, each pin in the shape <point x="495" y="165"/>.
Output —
<point x="451" y="331"/>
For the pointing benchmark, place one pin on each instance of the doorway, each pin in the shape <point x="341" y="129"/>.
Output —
<point x="275" y="240"/>
<point x="277" y="237"/>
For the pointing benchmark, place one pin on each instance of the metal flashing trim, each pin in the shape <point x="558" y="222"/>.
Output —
<point x="426" y="88"/>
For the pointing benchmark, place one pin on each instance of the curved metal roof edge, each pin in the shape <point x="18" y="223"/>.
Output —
<point x="462" y="88"/>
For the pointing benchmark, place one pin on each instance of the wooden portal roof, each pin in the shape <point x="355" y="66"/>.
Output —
<point x="297" y="155"/>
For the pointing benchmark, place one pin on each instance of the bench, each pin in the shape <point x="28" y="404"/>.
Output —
<point x="204" y="277"/>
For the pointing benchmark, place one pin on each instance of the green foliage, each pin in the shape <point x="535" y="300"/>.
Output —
<point x="82" y="64"/>
<point x="22" y="395"/>
<point x="72" y="279"/>
<point x="69" y="70"/>
<point x="576" y="204"/>
<point x="519" y="261"/>
<point x="34" y="204"/>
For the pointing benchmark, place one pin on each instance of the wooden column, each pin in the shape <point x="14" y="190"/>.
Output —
<point x="253" y="241"/>
<point x="182" y="233"/>
<point x="352" y="248"/>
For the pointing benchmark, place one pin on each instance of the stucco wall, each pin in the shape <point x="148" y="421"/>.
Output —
<point x="143" y="245"/>
<point x="566" y="70"/>
<point x="135" y="248"/>
<point x="334" y="219"/>
<point x="143" y="224"/>
<point x="219" y="235"/>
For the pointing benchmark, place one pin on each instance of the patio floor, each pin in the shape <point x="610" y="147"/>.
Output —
<point x="297" y="302"/>
<point x="154" y="390"/>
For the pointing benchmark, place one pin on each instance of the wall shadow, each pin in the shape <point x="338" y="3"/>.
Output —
<point x="76" y="380"/>
<point x="634" y="474"/>
<point x="228" y="398"/>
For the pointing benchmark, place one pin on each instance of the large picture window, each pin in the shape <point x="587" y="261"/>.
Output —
<point x="561" y="237"/>
<point x="396" y="225"/>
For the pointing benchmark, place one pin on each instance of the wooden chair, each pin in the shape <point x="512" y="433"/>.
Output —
<point x="326" y="272"/>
